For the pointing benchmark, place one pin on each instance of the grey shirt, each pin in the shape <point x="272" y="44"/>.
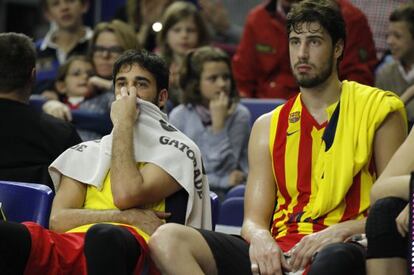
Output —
<point x="222" y="152"/>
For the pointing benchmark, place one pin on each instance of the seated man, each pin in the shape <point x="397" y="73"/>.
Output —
<point x="111" y="188"/>
<point x="312" y="163"/>
<point x="29" y="141"/>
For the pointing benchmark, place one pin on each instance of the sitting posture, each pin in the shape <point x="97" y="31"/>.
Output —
<point x="312" y="162"/>
<point x="110" y="192"/>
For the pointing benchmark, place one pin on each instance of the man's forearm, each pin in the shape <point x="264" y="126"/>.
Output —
<point x="68" y="219"/>
<point x="349" y="228"/>
<point x="125" y="177"/>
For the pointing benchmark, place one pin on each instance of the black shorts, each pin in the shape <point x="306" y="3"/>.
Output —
<point x="230" y="252"/>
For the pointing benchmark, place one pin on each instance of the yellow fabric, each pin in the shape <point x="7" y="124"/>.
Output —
<point x="103" y="200"/>
<point x="361" y="113"/>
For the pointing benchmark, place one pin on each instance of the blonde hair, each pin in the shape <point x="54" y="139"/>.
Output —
<point x="123" y="32"/>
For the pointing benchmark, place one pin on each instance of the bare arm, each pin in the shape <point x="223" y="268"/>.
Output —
<point x="395" y="179"/>
<point x="132" y="187"/>
<point x="259" y="203"/>
<point x="67" y="212"/>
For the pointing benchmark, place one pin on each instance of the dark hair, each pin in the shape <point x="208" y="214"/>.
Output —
<point x="404" y="12"/>
<point x="17" y="61"/>
<point x="325" y="12"/>
<point x="148" y="61"/>
<point x="45" y="3"/>
<point x="190" y="73"/>
<point x="176" y="12"/>
<point x="64" y="68"/>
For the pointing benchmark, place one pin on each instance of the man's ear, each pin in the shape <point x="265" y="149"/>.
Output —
<point x="60" y="87"/>
<point x="162" y="98"/>
<point x="339" y="48"/>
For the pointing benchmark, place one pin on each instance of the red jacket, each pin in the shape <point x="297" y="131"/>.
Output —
<point x="261" y="65"/>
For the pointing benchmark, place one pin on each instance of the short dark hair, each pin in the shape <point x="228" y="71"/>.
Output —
<point x="148" y="61"/>
<point x="325" y="12"/>
<point x="192" y="68"/>
<point x="17" y="61"/>
<point x="404" y="12"/>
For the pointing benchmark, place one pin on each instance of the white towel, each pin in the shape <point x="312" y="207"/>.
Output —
<point x="155" y="141"/>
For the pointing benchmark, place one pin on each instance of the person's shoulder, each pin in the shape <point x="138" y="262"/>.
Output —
<point x="58" y="127"/>
<point x="180" y="110"/>
<point x="350" y="12"/>
<point x="259" y="12"/>
<point x="387" y="69"/>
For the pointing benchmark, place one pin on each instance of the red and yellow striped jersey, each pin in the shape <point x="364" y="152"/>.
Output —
<point x="295" y="141"/>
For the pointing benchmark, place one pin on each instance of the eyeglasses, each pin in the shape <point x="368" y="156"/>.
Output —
<point x="100" y="50"/>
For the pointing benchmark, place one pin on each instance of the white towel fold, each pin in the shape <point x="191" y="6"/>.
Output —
<point x="155" y="141"/>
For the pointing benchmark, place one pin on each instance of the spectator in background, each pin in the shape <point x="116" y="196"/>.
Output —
<point x="226" y="19"/>
<point x="29" y="141"/>
<point x="72" y="84"/>
<point x="211" y="116"/>
<point x="377" y="15"/>
<point x="183" y="29"/>
<point x="261" y="63"/>
<point x="66" y="37"/>
<point x="398" y="75"/>
<point x="109" y="41"/>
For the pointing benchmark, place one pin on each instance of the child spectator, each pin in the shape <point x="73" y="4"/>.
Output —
<point x="183" y="29"/>
<point x="212" y="117"/>
<point x="67" y="36"/>
<point x="72" y="83"/>
<point x="398" y="76"/>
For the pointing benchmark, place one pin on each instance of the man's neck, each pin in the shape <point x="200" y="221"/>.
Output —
<point x="317" y="99"/>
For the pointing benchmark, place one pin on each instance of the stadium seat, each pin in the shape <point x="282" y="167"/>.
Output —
<point x="231" y="212"/>
<point x="26" y="202"/>
<point x="236" y="191"/>
<point x="260" y="106"/>
<point x="215" y="209"/>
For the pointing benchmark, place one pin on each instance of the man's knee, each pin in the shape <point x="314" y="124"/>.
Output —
<point x="167" y="237"/>
<point x="339" y="258"/>
<point x="103" y="234"/>
<point x="383" y="238"/>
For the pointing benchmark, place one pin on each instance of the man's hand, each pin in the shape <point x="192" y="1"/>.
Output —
<point x="303" y="251"/>
<point x="57" y="109"/>
<point x="147" y="220"/>
<point x="265" y="255"/>
<point x="124" y="109"/>
<point x="236" y="177"/>
<point x="402" y="221"/>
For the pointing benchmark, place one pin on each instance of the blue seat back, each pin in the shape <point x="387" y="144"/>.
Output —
<point x="232" y="211"/>
<point x="260" y="106"/>
<point x="236" y="191"/>
<point x="26" y="202"/>
<point x="215" y="208"/>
